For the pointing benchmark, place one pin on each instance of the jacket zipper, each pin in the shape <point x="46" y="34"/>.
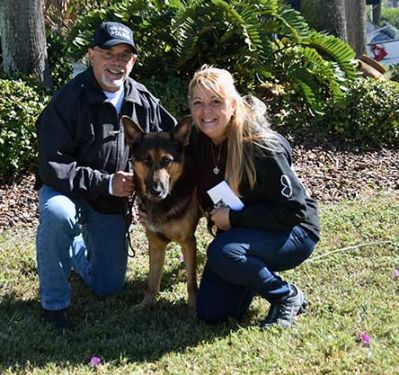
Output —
<point x="116" y="133"/>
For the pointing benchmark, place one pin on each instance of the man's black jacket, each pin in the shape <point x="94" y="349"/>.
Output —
<point x="81" y="140"/>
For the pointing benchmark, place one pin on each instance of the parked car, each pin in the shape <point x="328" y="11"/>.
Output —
<point x="383" y="43"/>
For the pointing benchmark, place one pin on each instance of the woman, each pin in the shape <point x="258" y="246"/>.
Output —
<point x="278" y="227"/>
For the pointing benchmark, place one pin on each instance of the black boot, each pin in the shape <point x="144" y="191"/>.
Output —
<point x="59" y="319"/>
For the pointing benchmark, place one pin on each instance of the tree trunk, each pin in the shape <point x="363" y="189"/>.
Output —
<point x="295" y="4"/>
<point x="377" y="13"/>
<point x="338" y="19"/>
<point x="356" y="25"/>
<point x="327" y="16"/>
<point x="23" y="39"/>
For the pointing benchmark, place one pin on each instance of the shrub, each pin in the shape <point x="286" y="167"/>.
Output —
<point x="20" y="104"/>
<point x="286" y="109"/>
<point x="390" y="15"/>
<point x="369" y="114"/>
<point x="393" y="72"/>
<point x="172" y="93"/>
<point x="60" y="65"/>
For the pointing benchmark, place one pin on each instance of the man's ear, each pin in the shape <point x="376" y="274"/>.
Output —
<point x="182" y="130"/>
<point x="133" y="131"/>
<point x="90" y="52"/>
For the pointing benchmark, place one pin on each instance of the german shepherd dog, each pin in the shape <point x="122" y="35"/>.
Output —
<point x="166" y="193"/>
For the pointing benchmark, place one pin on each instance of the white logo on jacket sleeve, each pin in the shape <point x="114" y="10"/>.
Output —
<point x="286" y="191"/>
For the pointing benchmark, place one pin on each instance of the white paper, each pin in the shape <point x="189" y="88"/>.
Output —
<point x="222" y="195"/>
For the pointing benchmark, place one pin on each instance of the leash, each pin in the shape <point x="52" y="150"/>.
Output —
<point x="128" y="216"/>
<point x="210" y="225"/>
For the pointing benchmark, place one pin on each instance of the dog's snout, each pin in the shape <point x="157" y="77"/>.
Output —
<point x="156" y="187"/>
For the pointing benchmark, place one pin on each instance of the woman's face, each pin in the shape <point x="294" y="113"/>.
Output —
<point x="211" y="113"/>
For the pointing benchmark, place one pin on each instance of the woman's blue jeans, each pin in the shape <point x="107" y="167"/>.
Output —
<point x="72" y="235"/>
<point x="243" y="262"/>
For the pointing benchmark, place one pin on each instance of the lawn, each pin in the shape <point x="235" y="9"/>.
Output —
<point x="349" y="280"/>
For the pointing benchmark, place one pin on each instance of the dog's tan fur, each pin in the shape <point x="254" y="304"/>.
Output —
<point x="165" y="192"/>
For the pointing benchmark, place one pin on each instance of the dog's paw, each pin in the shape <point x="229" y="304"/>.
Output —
<point x="138" y="307"/>
<point x="145" y="303"/>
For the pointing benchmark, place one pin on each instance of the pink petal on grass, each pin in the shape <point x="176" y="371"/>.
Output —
<point x="181" y="258"/>
<point x="396" y="274"/>
<point x="364" y="338"/>
<point x="95" y="361"/>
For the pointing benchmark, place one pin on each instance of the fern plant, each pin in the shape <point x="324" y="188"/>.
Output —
<point x="150" y="21"/>
<point x="263" y="40"/>
<point x="258" y="41"/>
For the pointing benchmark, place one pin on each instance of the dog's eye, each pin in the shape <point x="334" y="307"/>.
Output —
<point x="147" y="162"/>
<point x="166" y="161"/>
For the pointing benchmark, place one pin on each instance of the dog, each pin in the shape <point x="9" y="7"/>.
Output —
<point x="166" y="193"/>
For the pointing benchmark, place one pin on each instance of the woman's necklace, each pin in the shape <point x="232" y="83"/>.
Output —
<point x="216" y="169"/>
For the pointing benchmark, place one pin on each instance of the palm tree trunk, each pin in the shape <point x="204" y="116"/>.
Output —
<point x="356" y="25"/>
<point x="326" y="16"/>
<point x="338" y="18"/>
<point x="295" y="4"/>
<point x="23" y="39"/>
<point x="377" y="13"/>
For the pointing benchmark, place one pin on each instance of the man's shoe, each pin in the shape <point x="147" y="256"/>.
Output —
<point x="284" y="313"/>
<point x="59" y="319"/>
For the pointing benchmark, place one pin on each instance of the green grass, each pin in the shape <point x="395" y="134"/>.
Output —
<point x="350" y="291"/>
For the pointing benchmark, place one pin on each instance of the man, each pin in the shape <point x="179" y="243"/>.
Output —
<point x="84" y="177"/>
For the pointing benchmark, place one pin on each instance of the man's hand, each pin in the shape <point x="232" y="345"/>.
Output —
<point x="220" y="217"/>
<point x="122" y="184"/>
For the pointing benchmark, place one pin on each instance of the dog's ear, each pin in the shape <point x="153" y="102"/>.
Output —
<point x="182" y="130"/>
<point x="133" y="131"/>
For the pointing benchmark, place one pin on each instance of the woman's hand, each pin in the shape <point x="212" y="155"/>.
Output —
<point x="220" y="217"/>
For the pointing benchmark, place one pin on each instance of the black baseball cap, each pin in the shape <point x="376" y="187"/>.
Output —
<point x="109" y="34"/>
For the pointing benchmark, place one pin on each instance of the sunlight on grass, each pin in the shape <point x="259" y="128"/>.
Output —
<point x="349" y="281"/>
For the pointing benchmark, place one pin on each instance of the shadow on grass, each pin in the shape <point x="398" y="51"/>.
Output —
<point x="105" y="327"/>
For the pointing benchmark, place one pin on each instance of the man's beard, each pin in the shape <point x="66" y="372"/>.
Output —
<point x="113" y="83"/>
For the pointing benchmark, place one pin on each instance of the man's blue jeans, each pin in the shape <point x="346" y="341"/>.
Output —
<point x="72" y="235"/>
<point x="243" y="262"/>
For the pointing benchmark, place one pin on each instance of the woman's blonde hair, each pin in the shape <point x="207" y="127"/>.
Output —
<point x="248" y="125"/>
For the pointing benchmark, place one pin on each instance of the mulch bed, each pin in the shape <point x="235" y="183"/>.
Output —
<point x="331" y="171"/>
